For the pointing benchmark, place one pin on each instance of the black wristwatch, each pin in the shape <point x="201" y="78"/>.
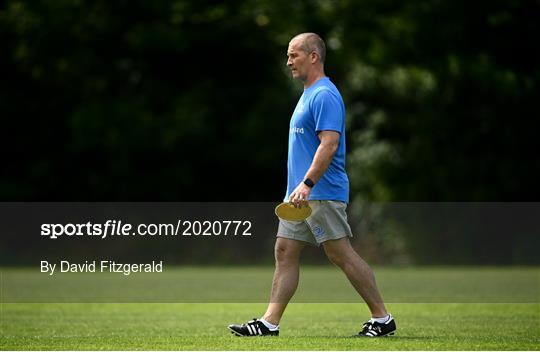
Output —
<point x="309" y="182"/>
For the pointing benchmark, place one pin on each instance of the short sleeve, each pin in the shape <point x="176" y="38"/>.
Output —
<point x="327" y="112"/>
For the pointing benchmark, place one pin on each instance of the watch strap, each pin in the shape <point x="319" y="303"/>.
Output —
<point x="309" y="182"/>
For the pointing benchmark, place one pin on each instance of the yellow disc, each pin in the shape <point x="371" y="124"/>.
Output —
<point x="287" y="211"/>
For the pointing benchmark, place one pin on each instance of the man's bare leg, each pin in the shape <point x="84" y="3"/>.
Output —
<point x="341" y="253"/>
<point x="286" y="275"/>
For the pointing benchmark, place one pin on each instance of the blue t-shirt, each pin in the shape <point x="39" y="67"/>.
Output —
<point x="320" y="108"/>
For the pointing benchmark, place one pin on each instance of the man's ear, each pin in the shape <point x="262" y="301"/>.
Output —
<point x="314" y="56"/>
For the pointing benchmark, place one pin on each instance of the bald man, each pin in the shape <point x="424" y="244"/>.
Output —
<point x="316" y="175"/>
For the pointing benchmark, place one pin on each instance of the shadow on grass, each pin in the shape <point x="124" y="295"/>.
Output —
<point x="352" y="337"/>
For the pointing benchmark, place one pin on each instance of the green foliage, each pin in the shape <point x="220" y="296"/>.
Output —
<point x="442" y="94"/>
<point x="173" y="93"/>
<point x="439" y="95"/>
<point x="187" y="100"/>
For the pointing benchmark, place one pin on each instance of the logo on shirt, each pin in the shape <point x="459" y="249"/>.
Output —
<point x="297" y="130"/>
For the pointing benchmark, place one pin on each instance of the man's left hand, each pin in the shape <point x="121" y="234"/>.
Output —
<point x="300" y="195"/>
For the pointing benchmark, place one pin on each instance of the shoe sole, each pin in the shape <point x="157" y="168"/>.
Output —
<point x="236" y="333"/>
<point x="369" y="337"/>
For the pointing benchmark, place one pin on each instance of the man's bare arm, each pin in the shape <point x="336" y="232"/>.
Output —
<point x="324" y="155"/>
<point x="322" y="159"/>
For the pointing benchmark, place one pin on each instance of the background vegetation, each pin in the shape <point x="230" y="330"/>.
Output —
<point x="190" y="100"/>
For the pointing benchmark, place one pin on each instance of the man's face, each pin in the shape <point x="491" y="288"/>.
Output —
<point x="298" y="60"/>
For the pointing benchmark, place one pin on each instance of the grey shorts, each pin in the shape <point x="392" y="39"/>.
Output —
<point x="328" y="221"/>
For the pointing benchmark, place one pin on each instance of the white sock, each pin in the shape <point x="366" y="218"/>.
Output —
<point x="268" y="325"/>
<point x="382" y="320"/>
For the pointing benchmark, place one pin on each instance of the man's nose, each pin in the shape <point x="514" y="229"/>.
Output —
<point x="289" y="62"/>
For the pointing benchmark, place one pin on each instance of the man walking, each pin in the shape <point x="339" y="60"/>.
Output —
<point x="316" y="174"/>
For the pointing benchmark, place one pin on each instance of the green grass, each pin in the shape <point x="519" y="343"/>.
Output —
<point x="325" y="284"/>
<point x="306" y="326"/>
<point x="451" y="308"/>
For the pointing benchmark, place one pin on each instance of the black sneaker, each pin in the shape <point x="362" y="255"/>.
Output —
<point x="253" y="327"/>
<point x="374" y="329"/>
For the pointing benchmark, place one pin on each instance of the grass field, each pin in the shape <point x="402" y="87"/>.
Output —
<point x="307" y="326"/>
<point x="513" y="325"/>
<point x="318" y="284"/>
